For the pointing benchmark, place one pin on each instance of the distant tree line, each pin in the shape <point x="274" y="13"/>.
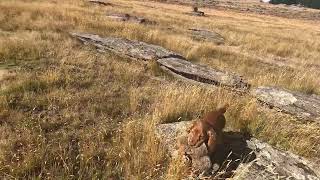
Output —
<point x="308" y="3"/>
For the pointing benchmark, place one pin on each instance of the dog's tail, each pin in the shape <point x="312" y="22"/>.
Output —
<point x="216" y="119"/>
<point x="223" y="109"/>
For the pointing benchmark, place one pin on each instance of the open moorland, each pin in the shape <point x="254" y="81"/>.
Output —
<point x="74" y="110"/>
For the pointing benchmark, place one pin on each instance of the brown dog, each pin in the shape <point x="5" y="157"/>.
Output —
<point x="208" y="130"/>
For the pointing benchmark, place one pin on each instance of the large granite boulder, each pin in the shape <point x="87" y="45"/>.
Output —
<point x="302" y="106"/>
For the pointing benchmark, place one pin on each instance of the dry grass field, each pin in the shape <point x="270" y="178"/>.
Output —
<point x="69" y="112"/>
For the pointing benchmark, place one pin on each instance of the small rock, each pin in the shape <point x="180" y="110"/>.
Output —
<point x="205" y="35"/>
<point x="119" y="17"/>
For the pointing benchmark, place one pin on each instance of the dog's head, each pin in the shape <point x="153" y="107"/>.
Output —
<point x="196" y="135"/>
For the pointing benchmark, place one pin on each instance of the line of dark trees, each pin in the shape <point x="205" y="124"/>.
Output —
<point x="308" y="3"/>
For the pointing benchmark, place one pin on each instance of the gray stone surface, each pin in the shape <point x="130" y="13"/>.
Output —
<point x="169" y="134"/>
<point x="249" y="158"/>
<point x="200" y="161"/>
<point x="171" y="61"/>
<point x="271" y="163"/>
<point x="203" y="74"/>
<point x="125" y="47"/>
<point x="302" y="106"/>
<point x="205" y="35"/>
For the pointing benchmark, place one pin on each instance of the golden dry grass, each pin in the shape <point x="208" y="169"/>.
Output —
<point x="70" y="112"/>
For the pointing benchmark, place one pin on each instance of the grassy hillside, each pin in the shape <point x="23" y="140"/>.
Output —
<point x="70" y="112"/>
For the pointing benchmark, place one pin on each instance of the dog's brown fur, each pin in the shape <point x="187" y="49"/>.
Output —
<point x="208" y="130"/>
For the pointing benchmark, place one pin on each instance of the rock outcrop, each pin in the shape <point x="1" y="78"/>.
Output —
<point x="271" y="163"/>
<point x="126" y="48"/>
<point x="245" y="158"/>
<point x="168" y="60"/>
<point x="205" y="35"/>
<point x="302" y="106"/>
<point x="203" y="74"/>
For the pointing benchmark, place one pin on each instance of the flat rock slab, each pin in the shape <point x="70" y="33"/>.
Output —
<point x="302" y="106"/>
<point x="100" y="2"/>
<point x="271" y="163"/>
<point x="127" y="48"/>
<point x="168" y="60"/>
<point x="205" y="35"/>
<point x="258" y="160"/>
<point x="130" y="18"/>
<point x="202" y="73"/>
